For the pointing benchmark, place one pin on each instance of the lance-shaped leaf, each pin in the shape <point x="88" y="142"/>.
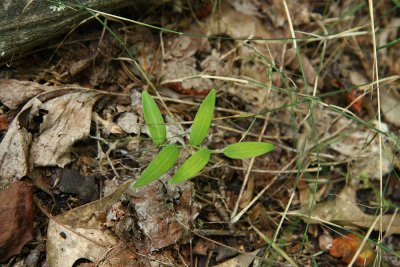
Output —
<point x="246" y="150"/>
<point x="159" y="165"/>
<point x="192" y="166"/>
<point x="202" y="120"/>
<point x="153" y="119"/>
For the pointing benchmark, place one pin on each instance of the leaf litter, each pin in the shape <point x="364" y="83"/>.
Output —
<point x="99" y="138"/>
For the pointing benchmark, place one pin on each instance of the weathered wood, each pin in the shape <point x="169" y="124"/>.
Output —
<point x="25" y="24"/>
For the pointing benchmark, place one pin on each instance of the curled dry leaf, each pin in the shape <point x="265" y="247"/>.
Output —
<point x="66" y="115"/>
<point x="14" y="149"/>
<point x="67" y="121"/>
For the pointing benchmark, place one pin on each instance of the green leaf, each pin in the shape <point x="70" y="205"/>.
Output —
<point x="159" y="165"/>
<point x="192" y="166"/>
<point x="246" y="150"/>
<point x="202" y="120"/>
<point x="153" y="119"/>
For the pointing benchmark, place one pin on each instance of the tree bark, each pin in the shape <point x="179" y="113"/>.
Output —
<point x="25" y="24"/>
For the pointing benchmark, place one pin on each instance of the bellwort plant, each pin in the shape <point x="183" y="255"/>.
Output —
<point x="196" y="162"/>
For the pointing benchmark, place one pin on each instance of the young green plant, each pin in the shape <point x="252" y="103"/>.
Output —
<point x="195" y="163"/>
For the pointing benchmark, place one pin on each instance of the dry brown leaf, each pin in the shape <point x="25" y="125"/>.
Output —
<point x="358" y="145"/>
<point x="181" y="69"/>
<point x="344" y="211"/>
<point x="16" y="219"/>
<point x="66" y="119"/>
<point x="14" y="150"/>
<point x="182" y="47"/>
<point x="79" y="233"/>
<point x="241" y="260"/>
<point x="236" y="24"/>
<point x="14" y="93"/>
<point x="129" y="122"/>
<point x="157" y="223"/>
<point x="202" y="247"/>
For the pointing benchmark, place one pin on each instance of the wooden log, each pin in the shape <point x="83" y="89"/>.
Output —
<point x="25" y="24"/>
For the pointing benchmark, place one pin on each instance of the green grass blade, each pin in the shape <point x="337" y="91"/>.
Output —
<point x="246" y="150"/>
<point x="153" y="119"/>
<point x="202" y="120"/>
<point x="159" y="165"/>
<point x="192" y="166"/>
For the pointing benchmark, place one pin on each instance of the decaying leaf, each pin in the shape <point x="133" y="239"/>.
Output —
<point x="157" y="222"/>
<point x="345" y="212"/>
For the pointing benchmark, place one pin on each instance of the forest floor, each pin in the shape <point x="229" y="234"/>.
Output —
<point x="310" y="77"/>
